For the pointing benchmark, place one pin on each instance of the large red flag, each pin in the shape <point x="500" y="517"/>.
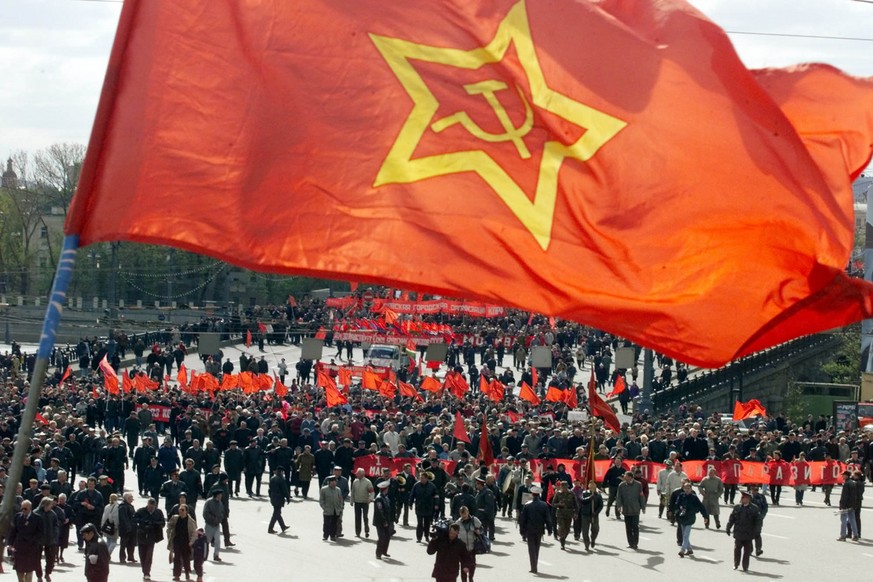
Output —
<point x="423" y="117"/>
<point x="459" y="432"/>
<point x="528" y="394"/>
<point x="601" y="409"/>
<point x="485" y="452"/>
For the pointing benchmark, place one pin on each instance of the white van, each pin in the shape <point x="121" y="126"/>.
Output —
<point x="387" y="355"/>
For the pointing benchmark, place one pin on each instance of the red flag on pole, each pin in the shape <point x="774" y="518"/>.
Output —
<point x="496" y="390"/>
<point x="459" y="432"/>
<point x="248" y="338"/>
<point x="601" y="409"/>
<point x="431" y="384"/>
<point x="589" y="474"/>
<point x="182" y="375"/>
<point x="554" y="394"/>
<point x="528" y="394"/>
<point x="571" y="399"/>
<point x="65" y="377"/>
<point x="486" y="455"/>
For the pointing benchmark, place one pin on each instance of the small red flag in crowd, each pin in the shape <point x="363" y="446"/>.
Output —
<point x="459" y="432"/>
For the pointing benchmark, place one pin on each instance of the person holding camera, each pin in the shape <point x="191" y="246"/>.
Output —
<point x="452" y="556"/>
<point x="470" y="529"/>
<point x="96" y="555"/>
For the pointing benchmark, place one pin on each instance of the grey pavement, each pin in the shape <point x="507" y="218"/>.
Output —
<point x="799" y="544"/>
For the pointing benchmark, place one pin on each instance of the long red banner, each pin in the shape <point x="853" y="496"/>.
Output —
<point x="471" y="308"/>
<point x="731" y="472"/>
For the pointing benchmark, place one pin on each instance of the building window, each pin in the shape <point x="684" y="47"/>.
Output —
<point x="43" y="232"/>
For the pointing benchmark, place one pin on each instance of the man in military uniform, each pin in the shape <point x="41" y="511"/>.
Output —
<point x="565" y="504"/>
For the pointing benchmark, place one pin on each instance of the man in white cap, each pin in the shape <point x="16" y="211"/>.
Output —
<point x="535" y="519"/>
<point x="383" y="519"/>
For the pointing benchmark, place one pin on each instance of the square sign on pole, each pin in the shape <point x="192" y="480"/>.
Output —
<point x="436" y="352"/>
<point x="311" y="349"/>
<point x="541" y="357"/>
<point x="625" y="359"/>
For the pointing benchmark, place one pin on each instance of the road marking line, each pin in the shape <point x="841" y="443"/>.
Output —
<point x="375" y="564"/>
<point x="769" y="535"/>
<point x="713" y="560"/>
<point x="645" y="538"/>
<point x="868" y="555"/>
<point x="545" y="563"/>
<point x="782" y="516"/>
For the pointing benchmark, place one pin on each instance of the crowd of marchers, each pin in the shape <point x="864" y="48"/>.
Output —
<point x="210" y="448"/>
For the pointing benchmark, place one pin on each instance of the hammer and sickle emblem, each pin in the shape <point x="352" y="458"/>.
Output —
<point x="511" y="133"/>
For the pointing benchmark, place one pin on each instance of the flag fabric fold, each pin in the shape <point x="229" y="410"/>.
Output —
<point x="384" y="139"/>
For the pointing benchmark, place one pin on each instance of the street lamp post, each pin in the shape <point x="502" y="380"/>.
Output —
<point x="8" y="336"/>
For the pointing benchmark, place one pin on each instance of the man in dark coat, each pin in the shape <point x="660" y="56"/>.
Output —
<point x="451" y="555"/>
<point x="171" y="489"/>
<point x="50" y="530"/>
<point x="280" y="494"/>
<point x="423" y="497"/>
<point x="193" y="484"/>
<point x="150" y="523"/>
<point x="252" y="465"/>
<point x="534" y="520"/>
<point x="383" y="519"/>
<point x="25" y="539"/>
<point x="745" y="520"/>
<point x="233" y="466"/>
<point x="142" y="460"/>
<point x="126" y="529"/>
<point x="89" y="503"/>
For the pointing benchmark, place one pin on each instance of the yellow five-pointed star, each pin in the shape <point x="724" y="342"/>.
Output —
<point x="399" y="166"/>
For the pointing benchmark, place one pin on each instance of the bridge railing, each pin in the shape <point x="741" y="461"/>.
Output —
<point x="730" y="375"/>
